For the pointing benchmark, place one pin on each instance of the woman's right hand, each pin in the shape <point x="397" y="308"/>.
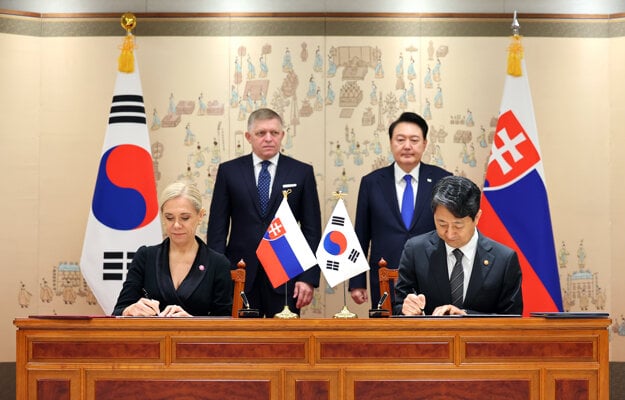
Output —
<point x="142" y="308"/>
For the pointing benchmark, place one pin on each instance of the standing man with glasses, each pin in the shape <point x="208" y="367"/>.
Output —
<point x="247" y="194"/>
<point x="394" y="203"/>
<point x="455" y="270"/>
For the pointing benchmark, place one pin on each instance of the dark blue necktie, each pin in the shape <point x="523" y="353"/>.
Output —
<point x="407" y="203"/>
<point x="456" y="281"/>
<point x="264" y="180"/>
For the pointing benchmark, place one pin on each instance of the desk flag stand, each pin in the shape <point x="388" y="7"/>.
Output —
<point x="344" y="313"/>
<point x="286" y="313"/>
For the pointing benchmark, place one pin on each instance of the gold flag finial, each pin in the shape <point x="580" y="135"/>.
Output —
<point x="128" y="21"/>
<point x="126" y="61"/>
<point x="515" y="50"/>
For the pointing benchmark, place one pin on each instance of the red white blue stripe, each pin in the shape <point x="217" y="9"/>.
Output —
<point x="515" y="205"/>
<point x="283" y="250"/>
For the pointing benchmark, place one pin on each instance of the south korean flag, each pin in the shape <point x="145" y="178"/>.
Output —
<point x="339" y="254"/>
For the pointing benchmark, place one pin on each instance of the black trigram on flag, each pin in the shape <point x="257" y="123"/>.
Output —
<point x="340" y="221"/>
<point x="127" y="108"/>
<point x="353" y="255"/>
<point x="115" y="265"/>
<point x="333" y="265"/>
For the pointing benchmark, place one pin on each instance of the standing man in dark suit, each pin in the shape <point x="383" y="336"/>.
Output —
<point x="384" y="221"/>
<point x="240" y="213"/>
<point x="455" y="270"/>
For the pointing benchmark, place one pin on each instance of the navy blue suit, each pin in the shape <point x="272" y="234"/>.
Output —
<point x="236" y="226"/>
<point x="494" y="285"/>
<point x="379" y="225"/>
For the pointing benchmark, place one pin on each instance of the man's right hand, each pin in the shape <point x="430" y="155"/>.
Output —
<point x="413" y="304"/>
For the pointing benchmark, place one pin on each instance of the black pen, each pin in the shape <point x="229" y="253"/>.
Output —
<point x="382" y="300"/>
<point x="246" y="303"/>
<point x="147" y="296"/>
<point x="414" y="291"/>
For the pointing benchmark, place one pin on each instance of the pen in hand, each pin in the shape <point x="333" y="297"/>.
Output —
<point x="420" y="300"/>
<point x="147" y="296"/>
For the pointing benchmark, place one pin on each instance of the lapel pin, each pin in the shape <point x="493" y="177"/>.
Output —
<point x="429" y="180"/>
<point x="486" y="262"/>
<point x="201" y="267"/>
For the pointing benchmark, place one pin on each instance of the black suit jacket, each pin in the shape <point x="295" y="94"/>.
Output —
<point x="494" y="285"/>
<point x="379" y="223"/>
<point x="206" y="290"/>
<point x="235" y="224"/>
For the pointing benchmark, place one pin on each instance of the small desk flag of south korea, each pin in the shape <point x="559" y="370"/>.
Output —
<point x="339" y="253"/>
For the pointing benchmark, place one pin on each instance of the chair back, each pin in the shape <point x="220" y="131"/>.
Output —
<point x="386" y="275"/>
<point x="238" y="278"/>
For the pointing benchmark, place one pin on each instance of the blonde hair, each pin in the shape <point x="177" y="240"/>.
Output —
<point x="182" y="189"/>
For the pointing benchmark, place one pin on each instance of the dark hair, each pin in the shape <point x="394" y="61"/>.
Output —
<point x="458" y="195"/>
<point x="412" y="118"/>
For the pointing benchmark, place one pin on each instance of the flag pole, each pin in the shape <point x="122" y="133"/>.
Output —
<point x="344" y="313"/>
<point x="286" y="313"/>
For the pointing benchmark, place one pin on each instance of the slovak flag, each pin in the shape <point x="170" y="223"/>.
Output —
<point x="339" y="253"/>
<point x="124" y="210"/>
<point x="515" y="208"/>
<point x="283" y="251"/>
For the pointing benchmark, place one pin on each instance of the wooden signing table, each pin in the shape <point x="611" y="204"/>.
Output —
<point x="338" y="359"/>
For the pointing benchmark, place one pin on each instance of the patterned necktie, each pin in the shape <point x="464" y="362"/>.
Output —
<point x="407" y="203"/>
<point x="264" y="180"/>
<point x="457" y="280"/>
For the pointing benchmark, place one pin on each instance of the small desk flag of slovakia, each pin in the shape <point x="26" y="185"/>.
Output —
<point x="339" y="253"/>
<point x="283" y="251"/>
<point x="124" y="210"/>
<point x="514" y="201"/>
